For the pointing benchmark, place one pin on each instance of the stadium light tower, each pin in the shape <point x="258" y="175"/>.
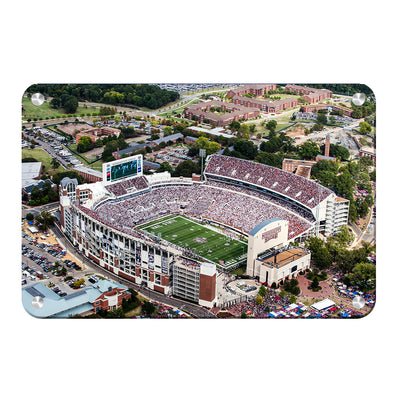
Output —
<point x="202" y="154"/>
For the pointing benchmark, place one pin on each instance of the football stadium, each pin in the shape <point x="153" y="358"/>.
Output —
<point x="173" y="234"/>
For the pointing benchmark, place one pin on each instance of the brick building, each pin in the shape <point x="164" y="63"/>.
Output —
<point x="254" y="89"/>
<point x="97" y="133"/>
<point x="88" y="174"/>
<point x="335" y="107"/>
<point x="203" y="112"/>
<point x="310" y="95"/>
<point x="298" y="167"/>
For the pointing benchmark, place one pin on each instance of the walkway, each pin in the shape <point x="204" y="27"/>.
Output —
<point x="326" y="291"/>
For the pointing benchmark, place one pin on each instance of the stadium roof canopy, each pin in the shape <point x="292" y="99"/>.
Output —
<point x="255" y="230"/>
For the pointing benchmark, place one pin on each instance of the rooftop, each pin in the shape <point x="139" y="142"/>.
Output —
<point x="30" y="170"/>
<point x="63" y="307"/>
<point x="285" y="257"/>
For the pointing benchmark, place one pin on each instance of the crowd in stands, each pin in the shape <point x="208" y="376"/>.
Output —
<point x="263" y="196"/>
<point x="128" y="186"/>
<point x="287" y="184"/>
<point x="201" y="201"/>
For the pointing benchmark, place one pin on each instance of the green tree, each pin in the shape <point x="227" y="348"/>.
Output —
<point x="186" y="169"/>
<point x="363" y="276"/>
<point x="165" y="166"/>
<point x="263" y="291"/>
<point x="308" y="150"/>
<point x="71" y="105"/>
<point x="211" y="147"/>
<point x="365" y="163"/>
<point x="84" y="144"/>
<point x="322" y="118"/>
<point x="271" y="126"/>
<point x="29" y="217"/>
<point x="365" y="127"/>
<point x="247" y="148"/>
<point x="244" y="132"/>
<point x="148" y="308"/>
<point x="357" y="113"/>
<point x="344" y="185"/>
<point x="55" y="163"/>
<point x="234" y="126"/>
<point x="44" y="220"/>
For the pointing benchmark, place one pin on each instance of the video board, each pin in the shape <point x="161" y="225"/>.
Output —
<point x="120" y="169"/>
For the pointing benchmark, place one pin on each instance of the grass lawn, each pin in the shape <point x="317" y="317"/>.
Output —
<point x="41" y="155"/>
<point x="46" y="112"/>
<point x="282" y="126"/>
<point x="182" y="231"/>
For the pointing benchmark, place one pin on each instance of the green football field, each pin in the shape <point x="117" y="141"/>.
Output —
<point x="203" y="241"/>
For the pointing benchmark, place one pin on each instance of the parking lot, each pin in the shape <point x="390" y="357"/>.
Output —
<point x="49" y="264"/>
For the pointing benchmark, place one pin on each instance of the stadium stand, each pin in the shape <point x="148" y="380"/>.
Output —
<point x="208" y="201"/>
<point x="297" y="188"/>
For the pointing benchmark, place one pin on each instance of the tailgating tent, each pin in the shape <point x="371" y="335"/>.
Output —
<point x="33" y="229"/>
<point x="323" y="304"/>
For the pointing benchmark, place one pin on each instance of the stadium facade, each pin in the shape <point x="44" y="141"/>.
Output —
<point x="243" y="198"/>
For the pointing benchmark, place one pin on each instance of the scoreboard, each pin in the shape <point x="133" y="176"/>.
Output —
<point x="120" y="169"/>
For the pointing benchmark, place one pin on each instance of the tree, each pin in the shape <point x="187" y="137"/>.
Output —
<point x="344" y="235"/>
<point x="344" y="185"/>
<point x="322" y="118"/>
<point x="187" y="168"/>
<point x="244" y="132"/>
<point x="148" y="308"/>
<point x="234" y="126"/>
<point x="55" y="163"/>
<point x="259" y="300"/>
<point x="308" y="150"/>
<point x="252" y="128"/>
<point x="247" y="148"/>
<point x="274" y="160"/>
<point x="271" y="126"/>
<point x="372" y="175"/>
<point x="365" y="163"/>
<point x="314" y="284"/>
<point x="29" y="217"/>
<point x="70" y="105"/>
<point x="211" y="147"/>
<point x="365" y="127"/>
<point x="363" y="276"/>
<point x="263" y="291"/>
<point x="78" y="283"/>
<point x="273" y="144"/>
<point x="165" y="166"/>
<point x="84" y="144"/>
<point x="357" y="113"/>
<point x="70" y="174"/>
<point x="45" y="220"/>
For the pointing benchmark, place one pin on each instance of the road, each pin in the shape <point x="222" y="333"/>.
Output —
<point x="193" y="309"/>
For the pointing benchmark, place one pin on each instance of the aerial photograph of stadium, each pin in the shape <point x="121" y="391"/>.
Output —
<point x="200" y="200"/>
